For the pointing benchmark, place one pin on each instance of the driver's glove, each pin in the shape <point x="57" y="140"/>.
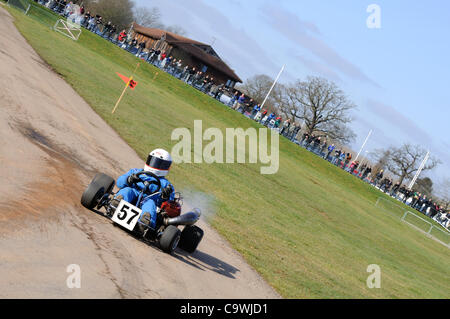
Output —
<point x="166" y="192"/>
<point x="132" y="179"/>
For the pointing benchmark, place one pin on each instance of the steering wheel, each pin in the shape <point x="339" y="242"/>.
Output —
<point x="156" y="180"/>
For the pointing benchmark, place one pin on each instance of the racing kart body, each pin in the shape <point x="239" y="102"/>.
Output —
<point x="99" y="195"/>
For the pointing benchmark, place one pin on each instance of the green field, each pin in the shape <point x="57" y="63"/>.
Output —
<point x="310" y="230"/>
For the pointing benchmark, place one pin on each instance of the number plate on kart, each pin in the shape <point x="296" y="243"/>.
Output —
<point x="126" y="215"/>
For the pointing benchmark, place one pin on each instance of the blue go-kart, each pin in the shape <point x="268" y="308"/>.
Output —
<point x="99" y="195"/>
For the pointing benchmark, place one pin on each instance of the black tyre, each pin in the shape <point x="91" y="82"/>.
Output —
<point x="190" y="238"/>
<point x="169" y="239"/>
<point x="100" y="185"/>
<point x="105" y="181"/>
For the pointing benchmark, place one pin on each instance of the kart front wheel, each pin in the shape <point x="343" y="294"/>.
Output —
<point x="105" y="181"/>
<point x="100" y="185"/>
<point x="190" y="238"/>
<point x="169" y="239"/>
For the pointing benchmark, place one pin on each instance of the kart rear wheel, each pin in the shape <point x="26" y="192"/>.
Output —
<point x="100" y="185"/>
<point x="190" y="238"/>
<point x="169" y="239"/>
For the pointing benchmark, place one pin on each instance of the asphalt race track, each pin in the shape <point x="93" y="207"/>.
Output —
<point x="51" y="145"/>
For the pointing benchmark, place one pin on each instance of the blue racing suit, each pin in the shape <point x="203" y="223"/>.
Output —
<point x="148" y="203"/>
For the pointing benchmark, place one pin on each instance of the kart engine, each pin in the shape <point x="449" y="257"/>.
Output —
<point x="172" y="208"/>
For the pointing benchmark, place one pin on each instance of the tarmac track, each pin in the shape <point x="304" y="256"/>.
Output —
<point x="51" y="145"/>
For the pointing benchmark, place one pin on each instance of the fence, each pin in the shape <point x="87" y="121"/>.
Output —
<point x="22" y="5"/>
<point x="43" y="15"/>
<point x="419" y="223"/>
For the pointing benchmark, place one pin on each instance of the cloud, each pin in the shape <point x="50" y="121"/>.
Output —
<point x="411" y="131"/>
<point x="318" y="67"/>
<point x="232" y="43"/>
<point x="304" y="34"/>
<point x="399" y="120"/>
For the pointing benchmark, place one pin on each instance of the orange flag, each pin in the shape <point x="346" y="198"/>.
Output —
<point x="132" y="84"/>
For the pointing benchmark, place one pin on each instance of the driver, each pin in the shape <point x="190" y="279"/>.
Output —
<point x="158" y="162"/>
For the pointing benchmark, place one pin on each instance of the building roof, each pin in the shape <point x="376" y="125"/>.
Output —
<point x="201" y="51"/>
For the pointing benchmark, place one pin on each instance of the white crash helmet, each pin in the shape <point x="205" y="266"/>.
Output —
<point x="158" y="162"/>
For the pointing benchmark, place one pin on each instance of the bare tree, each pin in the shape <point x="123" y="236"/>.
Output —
<point x="424" y="186"/>
<point x="380" y="157"/>
<point x="176" y="29"/>
<point x="257" y="87"/>
<point x="323" y="107"/>
<point x="404" y="161"/>
<point x="148" y="17"/>
<point x="119" y="12"/>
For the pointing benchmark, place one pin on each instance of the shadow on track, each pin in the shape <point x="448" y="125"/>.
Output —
<point x="204" y="261"/>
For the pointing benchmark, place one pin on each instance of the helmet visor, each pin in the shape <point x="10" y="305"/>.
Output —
<point x="158" y="163"/>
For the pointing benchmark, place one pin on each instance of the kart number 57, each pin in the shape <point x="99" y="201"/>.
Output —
<point x="126" y="215"/>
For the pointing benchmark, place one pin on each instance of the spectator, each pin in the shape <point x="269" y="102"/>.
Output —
<point x="269" y="118"/>
<point x="255" y="111"/>
<point x="395" y="189"/>
<point x="366" y="172"/>
<point x="277" y="122"/>
<point x="98" y="24"/>
<point x="285" y="128"/>
<point x="342" y="157"/>
<point x="122" y="36"/>
<point x="220" y="91"/>
<point x="330" y="149"/>
<point x="347" y="160"/>
<point x="378" y="177"/>
<point x="323" y="148"/>
<point x="233" y="99"/>
<point x="141" y="48"/>
<point x="295" y="132"/>
<point x="263" y="116"/>
<point x="240" y="102"/>
<point x="248" y="106"/>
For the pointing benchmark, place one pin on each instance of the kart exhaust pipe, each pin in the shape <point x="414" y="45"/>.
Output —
<point x="189" y="218"/>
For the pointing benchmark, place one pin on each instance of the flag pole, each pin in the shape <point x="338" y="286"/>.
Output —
<point x="365" y="141"/>
<point x="425" y="159"/>
<point x="126" y="86"/>
<point x="273" y="84"/>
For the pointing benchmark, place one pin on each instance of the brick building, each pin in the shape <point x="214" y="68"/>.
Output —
<point x="200" y="55"/>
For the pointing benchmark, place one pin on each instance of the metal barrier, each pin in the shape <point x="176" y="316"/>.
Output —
<point x="431" y="230"/>
<point x="69" y="30"/>
<point x="445" y="241"/>
<point x="23" y="5"/>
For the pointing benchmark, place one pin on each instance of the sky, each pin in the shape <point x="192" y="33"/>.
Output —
<point x="397" y="75"/>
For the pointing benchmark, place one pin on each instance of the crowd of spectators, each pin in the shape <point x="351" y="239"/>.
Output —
<point x="416" y="200"/>
<point x="241" y="103"/>
<point x="342" y="159"/>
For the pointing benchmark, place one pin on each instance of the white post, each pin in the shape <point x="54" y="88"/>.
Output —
<point x="131" y="28"/>
<point x="274" y="82"/>
<point x="365" y="141"/>
<point x="422" y="165"/>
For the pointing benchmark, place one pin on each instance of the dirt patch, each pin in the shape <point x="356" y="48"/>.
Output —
<point x="57" y="187"/>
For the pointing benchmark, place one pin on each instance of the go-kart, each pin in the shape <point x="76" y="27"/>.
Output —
<point x="99" y="194"/>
